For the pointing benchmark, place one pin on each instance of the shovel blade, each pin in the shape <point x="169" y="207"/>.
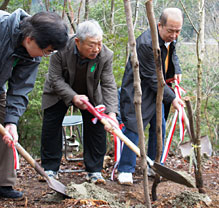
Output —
<point x="172" y="175"/>
<point x="56" y="186"/>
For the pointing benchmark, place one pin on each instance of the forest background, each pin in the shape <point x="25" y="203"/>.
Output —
<point x="111" y="16"/>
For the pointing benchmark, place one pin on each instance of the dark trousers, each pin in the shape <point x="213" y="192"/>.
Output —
<point x="94" y="140"/>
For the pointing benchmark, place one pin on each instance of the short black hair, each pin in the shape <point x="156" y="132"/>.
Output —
<point x="47" y="28"/>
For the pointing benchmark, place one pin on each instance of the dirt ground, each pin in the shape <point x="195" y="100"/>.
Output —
<point x="38" y="194"/>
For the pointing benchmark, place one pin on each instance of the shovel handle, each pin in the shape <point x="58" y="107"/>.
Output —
<point x="123" y="138"/>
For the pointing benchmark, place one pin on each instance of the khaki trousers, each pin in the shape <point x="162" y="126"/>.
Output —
<point x="7" y="172"/>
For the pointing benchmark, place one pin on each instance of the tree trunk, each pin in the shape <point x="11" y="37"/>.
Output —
<point x="86" y="9"/>
<point x="64" y="8"/>
<point x="112" y="28"/>
<point x="137" y="97"/>
<point x="70" y="16"/>
<point x="136" y="13"/>
<point x="200" y="55"/>
<point x="161" y="84"/>
<point x="79" y="11"/>
<point x="47" y="5"/>
<point x="4" y="5"/>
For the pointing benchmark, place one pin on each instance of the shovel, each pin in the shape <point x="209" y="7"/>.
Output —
<point x="53" y="184"/>
<point x="158" y="168"/>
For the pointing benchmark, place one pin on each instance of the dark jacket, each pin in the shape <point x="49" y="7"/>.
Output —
<point x="100" y="81"/>
<point x="22" y="76"/>
<point x="148" y="81"/>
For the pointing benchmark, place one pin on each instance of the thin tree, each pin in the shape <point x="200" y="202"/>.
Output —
<point x="137" y="98"/>
<point x="79" y="11"/>
<point x="112" y="28"/>
<point x="86" y="10"/>
<point x="160" y="87"/>
<point x="200" y="49"/>
<point x="70" y="15"/>
<point x="64" y="8"/>
<point x="134" y="25"/>
<point x="47" y="5"/>
<point x="4" y="5"/>
<point x="136" y="13"/>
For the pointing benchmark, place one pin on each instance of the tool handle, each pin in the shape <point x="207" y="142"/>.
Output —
<point x="187" y="123"/>
<point x="123" y="138"/>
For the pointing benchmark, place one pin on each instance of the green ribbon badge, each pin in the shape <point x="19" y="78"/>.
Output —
<point x="15" y="62"/>
<point x="93" y="67"/>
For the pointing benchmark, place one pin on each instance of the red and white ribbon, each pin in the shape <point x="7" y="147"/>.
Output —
<point x="15" y="153"/>
<point x="118" y="144"/>
<point x="178" y="90"/>
<point x="16" y="157"/>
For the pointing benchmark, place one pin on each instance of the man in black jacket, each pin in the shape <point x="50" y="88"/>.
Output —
<point x="23" y="41"/>
<point x="169" y="28"/>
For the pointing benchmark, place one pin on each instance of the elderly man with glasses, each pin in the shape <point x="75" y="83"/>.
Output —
<point x="82" y="70"/>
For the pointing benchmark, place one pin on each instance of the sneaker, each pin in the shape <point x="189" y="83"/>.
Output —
<point x="125" y="178"/>
<point x="150" y="172"/>
<point x="95" y="178"/>
<point x="9" y="192"/>
<point x="50" y="173"/>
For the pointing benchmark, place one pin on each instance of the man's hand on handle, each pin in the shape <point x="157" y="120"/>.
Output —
<point x="78" y="103"/>
<point x="109" y="127"/>
<point x="12" y="134"/>
<point x="178" y="77"/>
<point x="177" y="103"/>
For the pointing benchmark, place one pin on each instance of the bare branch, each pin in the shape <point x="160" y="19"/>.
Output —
<point x="188" y="16"/>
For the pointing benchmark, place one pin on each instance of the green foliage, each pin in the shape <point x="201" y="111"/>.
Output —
<point x="14" y="4"/>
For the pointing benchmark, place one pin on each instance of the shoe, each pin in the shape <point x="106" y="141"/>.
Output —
<point x="125" y="178"/>
<point x="9" y="192"/>
<point x="150" y="172"/>
<point x="95" y="178"/>
<point x="50" y="173"/>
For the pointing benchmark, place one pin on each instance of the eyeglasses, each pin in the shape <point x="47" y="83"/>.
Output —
<point x="48" y="53"/>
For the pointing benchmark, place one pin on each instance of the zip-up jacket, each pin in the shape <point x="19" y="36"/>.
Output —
<point x="18" y="70"/>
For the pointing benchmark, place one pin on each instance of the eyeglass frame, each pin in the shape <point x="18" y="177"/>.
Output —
<point x="48" y="53"/>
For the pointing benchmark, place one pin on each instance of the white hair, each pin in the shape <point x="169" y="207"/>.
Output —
<point x="89" y="28"/>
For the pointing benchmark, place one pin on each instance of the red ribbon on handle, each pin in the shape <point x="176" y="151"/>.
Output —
<point x="15" y="154"/>
<point x="91" y="109"/>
